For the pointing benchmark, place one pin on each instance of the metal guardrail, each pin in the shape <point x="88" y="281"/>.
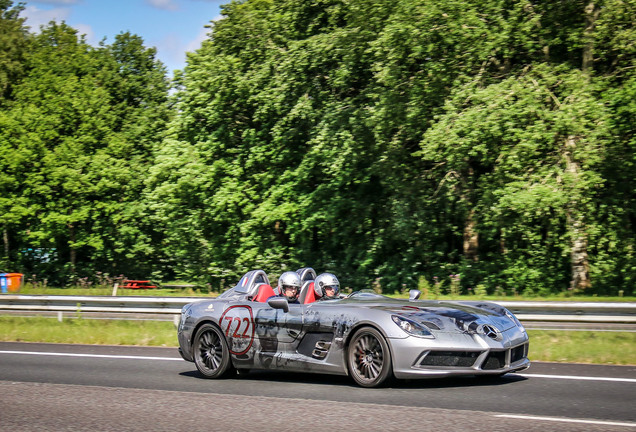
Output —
<point x="104" y="304"/>
<point x="592" y="312"/>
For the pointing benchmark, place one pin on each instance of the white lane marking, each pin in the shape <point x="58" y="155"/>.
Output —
<point x="91" y="355"/>
<point x="580" y="378"/>
<point x="567" y="420"/>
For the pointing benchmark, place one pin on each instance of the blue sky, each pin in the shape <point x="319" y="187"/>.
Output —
<point x="174" y="27"/>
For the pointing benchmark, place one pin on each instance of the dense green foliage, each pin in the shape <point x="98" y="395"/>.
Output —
<point x="77" y="135"/>
<point x="394" y="143"/>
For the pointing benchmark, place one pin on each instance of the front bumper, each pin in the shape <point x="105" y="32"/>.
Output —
<point x="184" y="335"/>
<point x="460" y="354"/>
<point x="183" y="356"/>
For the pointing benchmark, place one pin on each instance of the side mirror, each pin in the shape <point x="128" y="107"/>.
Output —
<point x="414" y="294"/>
<point x="279" y="303"/>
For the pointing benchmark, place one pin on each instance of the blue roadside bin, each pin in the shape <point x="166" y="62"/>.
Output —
<point x="3" y="283"/>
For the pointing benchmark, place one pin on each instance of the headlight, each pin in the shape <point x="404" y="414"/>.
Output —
<point x="186" y="312"/>
<point x="515" y="320"/>
<point x="412" y="328"/>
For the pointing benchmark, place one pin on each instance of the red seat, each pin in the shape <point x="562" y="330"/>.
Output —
<point x="264" y="292"/>
<point x="308" y="294"/>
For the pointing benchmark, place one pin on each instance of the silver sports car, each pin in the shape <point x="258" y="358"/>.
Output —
<point x="365" y="335"/>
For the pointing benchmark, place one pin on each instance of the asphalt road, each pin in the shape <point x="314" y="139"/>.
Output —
<point x="54" y="387"/>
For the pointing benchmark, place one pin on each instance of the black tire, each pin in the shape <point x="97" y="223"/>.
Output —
<point x="369" y="358"/>
<point x="211" y="353"/>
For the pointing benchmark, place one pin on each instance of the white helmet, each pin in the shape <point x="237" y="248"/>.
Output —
<point x="289" y="279"/>
<point x="324" y="281"/>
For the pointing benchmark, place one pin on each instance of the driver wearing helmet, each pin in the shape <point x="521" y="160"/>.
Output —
<point x="327" y="286"/>
<point x="289" y="286"/>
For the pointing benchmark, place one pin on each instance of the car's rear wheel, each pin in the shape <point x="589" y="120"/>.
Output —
<point x="369" y="358"/>
<point x="211" y="352"/>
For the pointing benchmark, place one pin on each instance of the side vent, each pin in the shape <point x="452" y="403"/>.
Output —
<point x="321" y="350"/>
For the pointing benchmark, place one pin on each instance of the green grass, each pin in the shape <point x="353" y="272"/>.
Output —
<point x="617" y="348"/>
<point x="583" y="347"/>
<point x="87" y="331"/>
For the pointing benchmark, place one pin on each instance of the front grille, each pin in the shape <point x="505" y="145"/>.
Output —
<point x="450" y="358"/>
<point x="495" y="360"/>
<point x="518" y="353"/>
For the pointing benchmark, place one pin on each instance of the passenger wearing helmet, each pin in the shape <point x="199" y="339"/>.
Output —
<point x="289" y="286"/>
<point x="327" y="286"/>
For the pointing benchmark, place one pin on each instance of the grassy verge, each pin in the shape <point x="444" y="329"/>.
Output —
<point x="583" y="347"/>
<point x="88" y="331"/>
<point x="557" y="346"/>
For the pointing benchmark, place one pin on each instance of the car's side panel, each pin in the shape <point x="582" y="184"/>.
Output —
<point x="471" y="338"/>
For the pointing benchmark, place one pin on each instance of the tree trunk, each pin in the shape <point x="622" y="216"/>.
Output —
<point x="580" y="264"/>
<point x="73" y="252"/>
<point x="471" y="237"/>
<point x="591" y="15"/>
<point x="5" y="239"/>
<point x="503" y="249"/>
<point x="576" y="226"/>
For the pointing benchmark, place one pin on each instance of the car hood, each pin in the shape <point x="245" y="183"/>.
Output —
<point x="446" y="316"/>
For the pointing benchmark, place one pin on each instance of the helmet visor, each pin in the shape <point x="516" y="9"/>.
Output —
<point x="290" y="291"/>
<point x="331" y="290"/>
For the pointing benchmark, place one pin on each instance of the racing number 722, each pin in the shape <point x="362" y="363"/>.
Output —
<point x="236" y="333"/>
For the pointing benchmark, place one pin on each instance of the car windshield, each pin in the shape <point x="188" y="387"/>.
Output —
<point x="366" y="294"/>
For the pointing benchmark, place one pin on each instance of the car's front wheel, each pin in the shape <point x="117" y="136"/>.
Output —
<point x="369" y="358"/>
<point x="211" y="352"/>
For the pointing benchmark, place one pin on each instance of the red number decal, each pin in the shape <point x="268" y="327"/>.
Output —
<point x="240" y="340"/>
<point x="236" y="334"/>
<point x="247" y="327"/>
<point x="229" y="324"/>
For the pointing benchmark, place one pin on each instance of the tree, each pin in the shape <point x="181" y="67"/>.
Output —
<point x="80" y="138"/>
<point x="14" y="43"/>
<point x="536" y="160"/>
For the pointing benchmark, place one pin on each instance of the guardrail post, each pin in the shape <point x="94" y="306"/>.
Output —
<point x="115" y="289"/>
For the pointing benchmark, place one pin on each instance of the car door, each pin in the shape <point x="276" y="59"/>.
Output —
<point x="277" y="325"/>
<point x="255" y="331"/>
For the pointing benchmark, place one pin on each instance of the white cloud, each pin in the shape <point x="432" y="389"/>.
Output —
<point x="85" y="29"/>
<point x="195" y="43"/>
<point x="163" y="4"/>
<point x="172" y="48"/>
<point x="58" y="2"/>
<point x="36" y="17"/>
